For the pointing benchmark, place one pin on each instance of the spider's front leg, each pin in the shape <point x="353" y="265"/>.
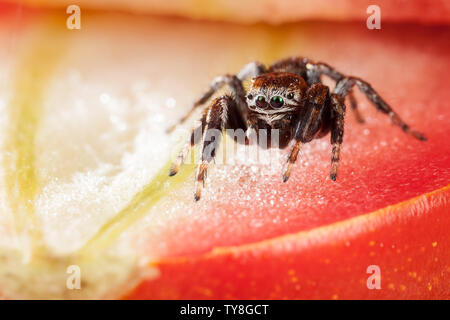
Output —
<point x="232" y="81"/>
<point x="309" y="122"/>
<point x="196" y="134"/>
<point x="222" y="113"/>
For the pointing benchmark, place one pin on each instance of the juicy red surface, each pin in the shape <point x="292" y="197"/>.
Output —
<point x="409" y="245"/>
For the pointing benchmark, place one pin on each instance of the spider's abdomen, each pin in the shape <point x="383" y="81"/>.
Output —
<point x="295" y="65"/>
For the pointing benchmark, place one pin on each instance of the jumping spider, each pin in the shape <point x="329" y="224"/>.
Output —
<point x="288" y="96"/>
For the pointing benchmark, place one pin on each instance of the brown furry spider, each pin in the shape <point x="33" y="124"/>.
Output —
<point x="288" y="96"/>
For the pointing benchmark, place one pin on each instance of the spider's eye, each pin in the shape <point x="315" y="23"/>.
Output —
<point x="261" y="102"/>
<point x="249" y="97"/>
<point x="277" y="102"/>
<point x="290" y="96"/>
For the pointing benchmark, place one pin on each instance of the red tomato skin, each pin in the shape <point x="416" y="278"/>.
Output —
<point x="409" y="243"/>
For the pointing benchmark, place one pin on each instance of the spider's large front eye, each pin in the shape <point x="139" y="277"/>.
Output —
<point x="261" y="102"/>
<point x="277" y="102"/>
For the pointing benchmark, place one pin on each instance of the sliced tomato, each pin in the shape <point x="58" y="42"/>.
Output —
<point x="400" y="252"/>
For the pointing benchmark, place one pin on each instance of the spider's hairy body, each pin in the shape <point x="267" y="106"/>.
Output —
<point x="288" y="97"/>
<point x="281" y="84"/>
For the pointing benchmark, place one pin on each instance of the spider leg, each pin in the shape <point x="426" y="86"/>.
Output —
<point x="310" y="122"/>
<point x="193" y="140"/>
<point x="291" y="160"/>
<point x="252" y="69"/>
<point x="344" y="86"/>
<point x="315" y="70"/>
<point x="218" y="116"/>
<point x="337" y="131"/>
<point x="354" y="106"/>
<point x="312" y="72"/>
<point x="215" y="85"/>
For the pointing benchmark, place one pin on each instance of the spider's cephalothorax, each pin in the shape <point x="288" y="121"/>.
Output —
<point x="287" y="96"/>
<point x="274" y="101"/>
